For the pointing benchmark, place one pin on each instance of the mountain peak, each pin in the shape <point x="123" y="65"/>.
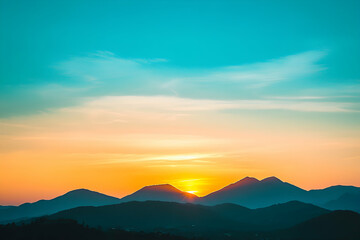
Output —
<point x="79" y="191"/>
<point x="271" y="179"/>
<point x="246" y="181"/>
<point x="161" y="187"/>
<point x="87" y="195"/>
<point x="249" y="179"/>
<point x="241" y="183"/>
<point x="162" y="192"/>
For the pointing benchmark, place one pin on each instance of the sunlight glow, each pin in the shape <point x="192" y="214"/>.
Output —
<point x="192" y="192"/>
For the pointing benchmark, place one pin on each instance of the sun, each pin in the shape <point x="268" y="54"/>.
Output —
<point x="189" y="185"/>
<point x="192" y="192"/>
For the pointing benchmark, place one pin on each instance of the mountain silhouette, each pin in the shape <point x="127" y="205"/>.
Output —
<point x="348" y="201"/>
<point x="252" y="193"/>
<point x="184" y="217"/>
<point x="248" y="192"/>
<point x="163" y="192"/>
<point x="75" y="198"/>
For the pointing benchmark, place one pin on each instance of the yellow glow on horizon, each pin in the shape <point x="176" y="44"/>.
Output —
<point x="192" y="192"/>
<point x="181" y="157"/>
<point x="192" y="185"/>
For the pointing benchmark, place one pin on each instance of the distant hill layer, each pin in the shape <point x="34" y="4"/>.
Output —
<point x="155" y="215"/>
<point x="347" y="201"/>
<point x="176" y="221"/>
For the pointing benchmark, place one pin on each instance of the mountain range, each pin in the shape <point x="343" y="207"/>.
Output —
<point x="248" y="193"/>
<point x="253" y="193"/>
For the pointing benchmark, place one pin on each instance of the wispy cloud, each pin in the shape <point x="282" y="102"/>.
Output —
<point x="122" y="104"/>
<point x="189" y="158"/>
<point x="104" y="77"/>
<point x="298" y="97"/>
<point x="265" y="73"/>
<point x="106" y="68"/>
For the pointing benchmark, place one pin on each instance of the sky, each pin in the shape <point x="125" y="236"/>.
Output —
<point x="115" y="95"/>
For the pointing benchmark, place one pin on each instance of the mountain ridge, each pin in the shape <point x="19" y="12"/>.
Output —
<point x="255" y="193"/>
<point x="248" y="192"/>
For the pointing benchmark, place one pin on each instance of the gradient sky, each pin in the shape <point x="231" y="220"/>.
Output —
<point x="115" y="95"/>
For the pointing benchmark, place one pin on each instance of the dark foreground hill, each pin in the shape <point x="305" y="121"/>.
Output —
<point x="337" y="225"/>
<point x="169" y="216"/>
<point x="45" y="229"/>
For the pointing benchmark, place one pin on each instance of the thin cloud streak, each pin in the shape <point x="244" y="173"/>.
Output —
<point x="107" y="71"/>
<point x="106" y="66"/>
<point x="117" y="104"/>
<point x="266" y="73"/>
<point x="190" y="158"/>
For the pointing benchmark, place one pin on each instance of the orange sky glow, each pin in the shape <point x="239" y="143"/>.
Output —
<point x="116" y="145"/>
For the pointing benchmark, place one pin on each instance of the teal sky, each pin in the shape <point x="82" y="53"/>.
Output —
<point x="174" y="39"/>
